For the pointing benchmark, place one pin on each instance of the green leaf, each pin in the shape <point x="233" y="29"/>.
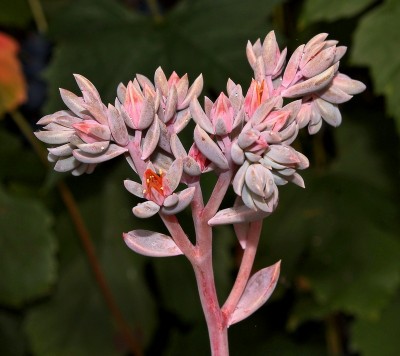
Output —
<point x="338" y="240"/>
<point x="76" y="321"/>
<point x="378" y="336"/>
<point x="354" y="268"/>
<point x="194" y="37"/>
<point x="305" y="309"/>
<point x="27" y="250"/>
<point x="375" y="46"/>
<point x="364" y="158"/>
<point x="321" y="10"/>
<point x="12" y="341"/>
<point x="19" y="165"/>
<point x="264" y="334"/>
<point x="15" y="13"/>
<point x="191" y="342"/>
<point x="178" y="289"/>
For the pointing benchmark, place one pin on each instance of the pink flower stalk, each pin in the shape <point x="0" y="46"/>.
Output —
<point x="244" y="140"/>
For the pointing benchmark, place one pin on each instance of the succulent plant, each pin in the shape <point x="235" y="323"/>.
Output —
<point x="244" y="140"/>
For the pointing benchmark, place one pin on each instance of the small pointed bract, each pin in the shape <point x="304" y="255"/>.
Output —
<point x="146" y="209"/>
<point x="237" y="214"/>
<point x="117" y="126"/>
<point x="153" y="244"/>
<point x="258" y="290"/>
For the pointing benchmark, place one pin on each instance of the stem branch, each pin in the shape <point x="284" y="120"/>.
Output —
<point x="253" y="237"/>
<point x="179" y="236"/>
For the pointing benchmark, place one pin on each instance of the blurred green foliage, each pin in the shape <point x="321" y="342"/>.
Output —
<point x="339" y="239"/>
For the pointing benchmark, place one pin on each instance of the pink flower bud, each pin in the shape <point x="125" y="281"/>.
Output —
<point x="222" y="115"/>
<point x="255" y="96"/>
<point x="139" y="106"/>
<point x="173" y="79"/>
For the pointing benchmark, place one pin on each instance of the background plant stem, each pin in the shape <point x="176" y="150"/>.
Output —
<point x="85" y="238"/>
<point x="38" y="15"/>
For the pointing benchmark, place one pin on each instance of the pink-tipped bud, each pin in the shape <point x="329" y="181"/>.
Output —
<point x="91" y="131"/>
<point x="173" y="79"/>
<point x="133" y="103"/>
<point x="139" y="106"/>
<point x="222" y="115"/>
<point x="254" y="97"/>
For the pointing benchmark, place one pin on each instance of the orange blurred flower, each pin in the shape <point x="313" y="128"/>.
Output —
<point x="12" y="81"/>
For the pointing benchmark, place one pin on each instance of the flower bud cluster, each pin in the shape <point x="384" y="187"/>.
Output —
<point x="86" y="134"/>
<point x="247" y="135"/>
<point x="261" y="149"/>
<point x="139" y="125"/>
<point x="310" y="74"/>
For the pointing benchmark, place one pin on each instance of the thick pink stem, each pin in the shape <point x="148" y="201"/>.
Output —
<point x="217" y="329"/>
<point x="253" y="237"/>
<point x="203" y="268"/>
<point x="200" y="257"/>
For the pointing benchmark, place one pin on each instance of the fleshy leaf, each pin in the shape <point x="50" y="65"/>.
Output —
<point x="258" y="290"/>
<point x="185" y="198"/>
<point x="146" y="209"/>
<point x="209" y="148"/>
<point x="153" y="244"/>
<point x="311" y="85"/>
<point x="111" y="152"/>
<point x="237" y="214"/>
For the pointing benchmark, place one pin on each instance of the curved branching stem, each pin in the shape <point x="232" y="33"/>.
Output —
<point x="253" y="237"/>
<point x="217" y="195"/>
<point x="179" y="236"/>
